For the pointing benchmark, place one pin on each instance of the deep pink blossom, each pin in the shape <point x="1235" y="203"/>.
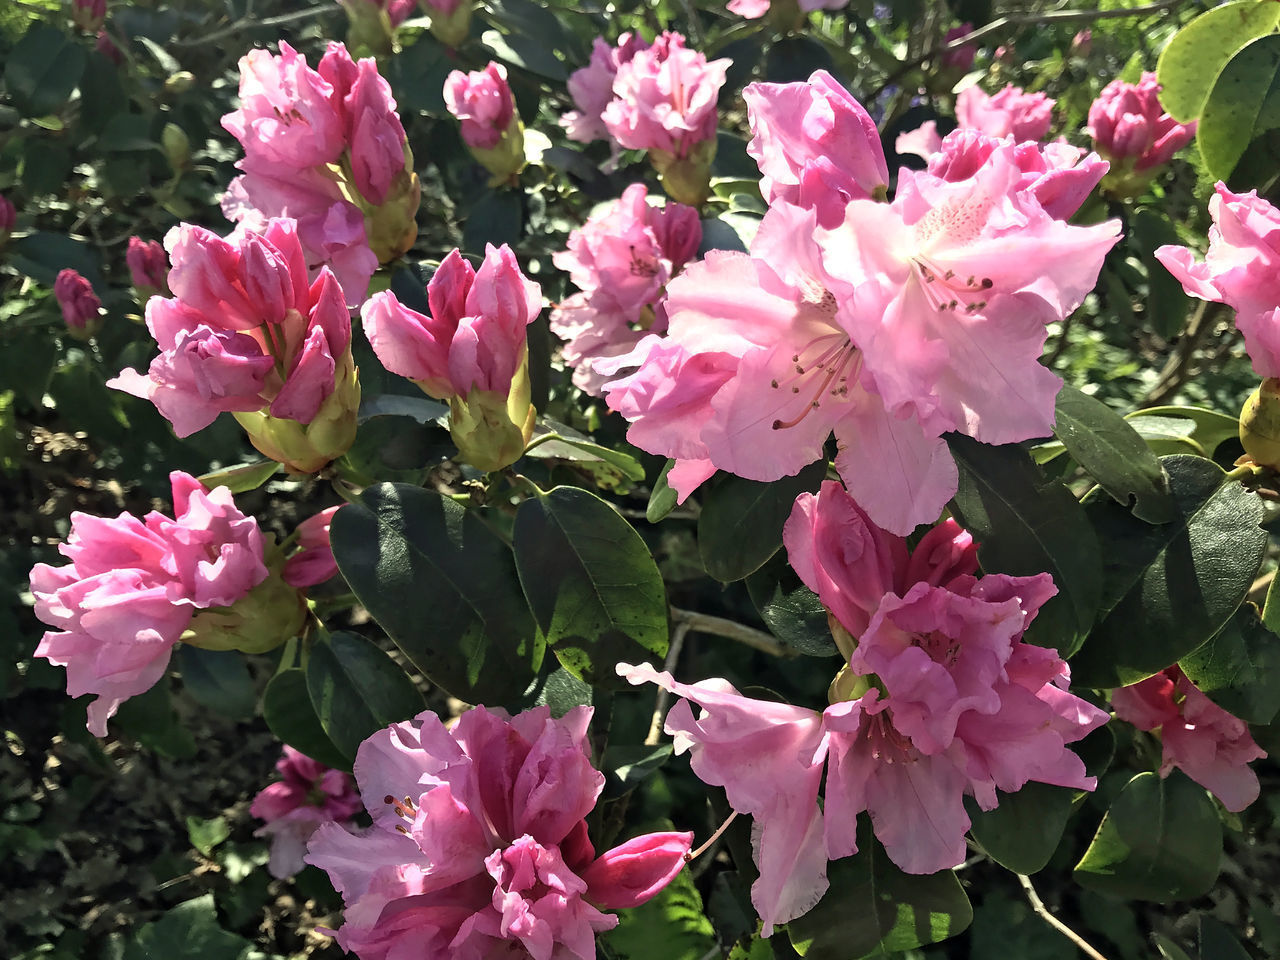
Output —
<point x="1201" y="739"/>
<point x="148" y="265"/>
<point x="313" y="563"/>
<point x="374" y="134"/>
<point x="755" y="9"/>
<point x="307" y="795"/>
<point x="8" y="217"/>
<point x="132" y="587"/>
<point x="962" y="57"/>
<point x="1129" y="125"/>
<point x="1024" y="116"/>
<point x="1241" y="269"/>
<point x="815" y="145"/>
<point x="81" y="308"/>
<point x="482" y="100"/>
<point x="479" y="845"/>
<point x="591" y="87"/>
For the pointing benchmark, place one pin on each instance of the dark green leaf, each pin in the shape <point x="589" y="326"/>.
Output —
<point x="530" y="52"/>
<point x="1161" y="840"/>
<point x="357" y="689"/>
<point x="740" y="526"/>
<point x="562" y="691"/>
<point x="1111" y="451"/>
<point x="1197" y="54"/>
<point x="289" y="713"/>
<point x="207" y="834"/>
<point x="1170" y="588"/>
<point x="582" y="450"/>
<point x="591" y="583"/>
<point x="1008" y="928"/>
<point x="1167" y="302"/>
<point x="149" y="719"/>
<point x="626" y="767"/>
<point x="189" y="931"/>
<point x="1239" y="669"/>
<point x="662" y="498"/>
<point x="45" y="166"/>
<point x="417" y="76"/>
<point x="1210" y="428"/>
<point x="42" y="255"/>
<point x="443" y="586"/>
<point x="242" y="477"/>
<point x="1243" y="104"/>
<point x="422" y="409"/>
<point x="792" y="59"/>
<point x="729" y="231"/>
<point x="42" y="70"/>
<point x="217" y="679"/>
<point x="1025" y="525"/>
<point x="1217" y="942"/>
<point x="790" y="609"/>
<point x="497" y="218"/>
<point x="1022" y="833"/>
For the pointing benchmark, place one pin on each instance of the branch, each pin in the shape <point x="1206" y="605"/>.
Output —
<point x="704" y="623"/>
<point x="251" y="22"/>
<point x="1038" y="906"/>
<point x="660" y="705"/>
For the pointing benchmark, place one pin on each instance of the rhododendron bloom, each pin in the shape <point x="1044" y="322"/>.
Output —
<point x="1024" y="116"/>
<point x="815" y="145"/>
<point x="132" y="587"/>
<point x="591" y="87"/>
<point x="313" y="563"/>
<point x="308" y="795"/>
<point x="479" y="844"/>
<point x="1241" y="269"/>
<point x="755" y="9"/>
<point x="81" y="308"/>
<point x="482" y="100"/>
<point x="148" y="265"/>
<point x="1201" y="739"/>
<point x="1128" y="124"/>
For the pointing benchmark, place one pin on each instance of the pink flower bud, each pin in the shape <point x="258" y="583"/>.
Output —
<point x="81" y="307"/>
<point x="636" y="871"/>
<point x="313" y="563"/>
<point x="148" y="265"/>
<point x="88" y="15"/>
<point x="377" y="137"/>
<point x="1128" y="124"/>
<point x="8" y="217"/>
<point x="1025" y="116"/>
<point x="962" y="57"/>
<point x="482" y="101"/>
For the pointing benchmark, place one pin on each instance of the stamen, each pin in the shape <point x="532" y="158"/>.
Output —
<point x="693" y="855"/>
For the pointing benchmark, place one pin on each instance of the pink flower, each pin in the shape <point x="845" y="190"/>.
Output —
<point x="244" y="330"/>
<point x="81" y="308"/>
<point x="8" y="217"/>
<point x="1241" y="269"/>
<point x="313" y="563"/>
<point x="479" y="844"/>
<point x="482" y="100"/>
<point x="1208" y="744"/>
<point x="148" y="265"/>
<point x="591" y="87"/>
<point x="815" y="145"/>
<point x="963" y="56"/>
<point x="924" y="141"/>
<point x="475" y="336"/>
<point x="87" y="15"/>
<point x="1128" y="124"/>
<point x="1025" y="116"/>
<point x="373" y="130"/>
<point x="665" y="98"/>
<point x="132" y="587"/>
<point x="308" y="795"/>
<point x="755" y="9"/>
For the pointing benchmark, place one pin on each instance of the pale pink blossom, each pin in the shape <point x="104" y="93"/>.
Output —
<point x="243" y="331"/>
<point x="1241" y="269"/>
<point x="313" y="562"/>
<point x="664" y="98"/>
<point x="591" y="87"/>
<point x="475" y="335"/>
<point x="479" y="843"/>
<point x="815" y="145"/>
<point x="1201" y="739"/>
<point x="1024" y="116"/>
<point x="924" y="141"/>
<point x="132" y="587"/>
<point x="755" y="9"/>
<point x="1129" y="125"/>
<point x="81" y="308"/>
<point x="148" y="265"/>
<point x="307" y="795"/>
<point x="482" y="100"/>
<point x="592" y="334"/>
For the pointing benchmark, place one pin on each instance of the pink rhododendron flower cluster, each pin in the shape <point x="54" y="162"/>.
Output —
<point x="307" y="795"/>
<point x="325" y="148"/>
<point x="1240" y="270"/>
<point x="479" y="843"/>
<point x="940" y="698"/>
<point x="1128" y="125"/>
<point x="81" y="308"/>
<point x="245" y="332"/>
<point x="1023" y="116"/>
<point x="133" y="586"/>
<point x="621" y="260"/>
<point x="1201" y="739"/>
<point x="313" y="562"/>
<point x="148" y="265"/>
<point x="898" y="324"/>
<point x="591" y="87"/>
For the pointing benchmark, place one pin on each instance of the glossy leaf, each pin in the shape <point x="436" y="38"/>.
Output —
<point x="1217" y="942"/>
<point x="1239" y="669"/>
<point x="1172" y="587"/>
<point x="43" y="69"/>
<point x="791" y="610"/>
<point x="497" y="218"/>
<point x="1209" y="428"/>
<point x="290" y="715"/>
<point x="1022" y="833"/>
<point x="740" y="526"/>
<point x="443" y="586"/>
<point x="1110" y="451"/>
<point x="242" y="477"/>
<point x="357" y="689"/>
<point x="626" y="767"/>
<point x="593" y="587"/>
<point x="1025" y="524"/>
<point x="1191" y="62"/>
<point x="217" y="679"/>
<point x="1161" y="840"/>
<point x="1167" y="303"/>
<point x="562" y="691"/>
<point x="662" y="498"/>
<point x="1243" y="104"/>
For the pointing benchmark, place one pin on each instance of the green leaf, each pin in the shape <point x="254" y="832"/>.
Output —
<point x="1170" y="588"/>
<point x="671" y="926"/>
<point x="1003" y="927"/>
<point x="1243" y="104"/>
<point x="872" y="905"/>
<point x="1168" y="949"/>
<point x="1210" y="427"/>
<point x="189" y="931"/>
<point x="1110" y="450"/>
<point x="149" y="719"/>
<point x="740" y="526"/>
<point x="584" y="452"/>
<point x="443" y="586"/>
<point x="217" y="679"/>
<point x="790" y="609"/>
<point x="1025" y="524"/>
<point x="1167" y="302"/>
<point x="497" y="218"/>
<point x="417" y="75"/>
<point x="592" y="585"/>
<point x="1022" y="833"/>
<point x="290" y="715"/>
<point x="357" y="689"/>
<point x="530" y="52"/>
<point x="1161" y="840"/>
<point x="207" y="834"/>
<point x="1239" y="669"/>
<point x="662" y="498"/>
<point x="729" y="231"/>
<point x="1193" y="59"/>
<point x="42" y="70"/>
<point x="562" y="691"/>
<point x="1218" y="943"/>
<point x="41" y="255"/>
<point x="241" y="478"/>
<point x="626" y="767"/>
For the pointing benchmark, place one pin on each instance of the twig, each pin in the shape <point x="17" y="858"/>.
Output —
<point x="1038" y="906"/>
<point x="248" y="22"/>
<point x="1177" y="370"/>
<point x="669" y="665"/>
<point x="705" y="623"/>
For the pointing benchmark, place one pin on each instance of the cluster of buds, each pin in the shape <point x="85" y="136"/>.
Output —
<point x="81" y="308"/>
<point x="491" y="127"/>
<point x="246" y="333"/>
<point x="471" y="352"/>
<point x="326" y="148"/>
<point x="1131" y="129"/>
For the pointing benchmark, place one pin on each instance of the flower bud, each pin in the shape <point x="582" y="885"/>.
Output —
<point x="179" y="82"/>
<point x="81" y="308"/>
<point x="687" y="179"/>
<point x="450" y="20"/>
<point x="491" y="127"/>
<point x="267" y="616"/>
<point x="960" y="59"/>
<point x="88" y="15"/>
<point x="177" y="147"/>
<point x="148" y="266"/>
<point x="492" y="429"/>
<point x="1260" y="424"/>
<point x="370" y="31"/>
<point x="1131" y="128"/>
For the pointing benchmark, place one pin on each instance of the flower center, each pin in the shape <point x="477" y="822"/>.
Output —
<point x="825" y="375"/>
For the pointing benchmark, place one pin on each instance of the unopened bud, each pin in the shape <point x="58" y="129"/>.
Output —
<point x="1260" y="424"/>
<point x="267" y="616"/>
<point x="492" y="430"/>
<point x="177" y="147"/>
<point x="686" y="180"/>
<point x="179" y="82"/>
